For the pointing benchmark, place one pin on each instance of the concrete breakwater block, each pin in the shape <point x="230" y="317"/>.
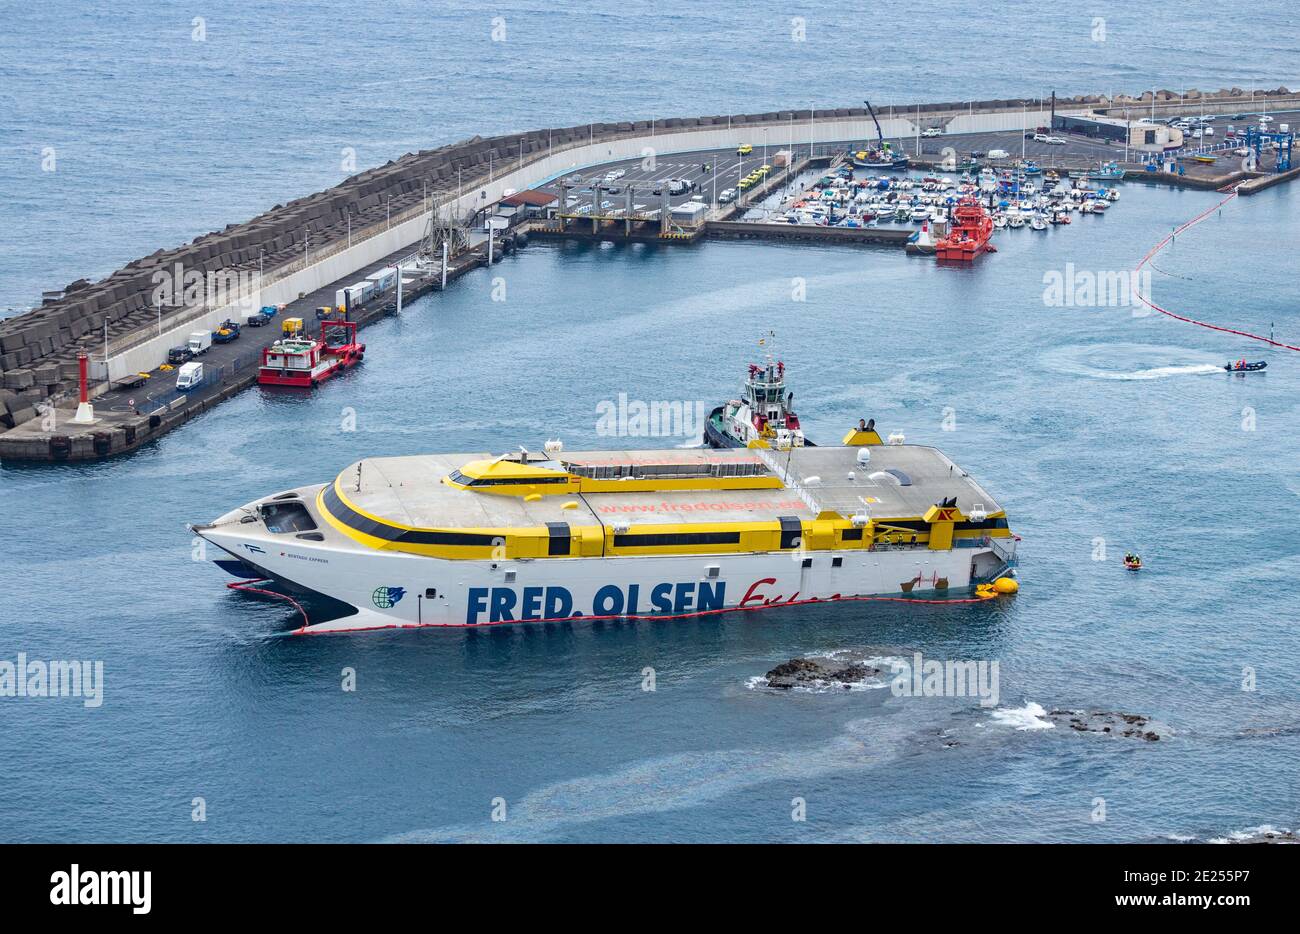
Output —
<point x="18" y="379"/>
<point x="45" y="374"/>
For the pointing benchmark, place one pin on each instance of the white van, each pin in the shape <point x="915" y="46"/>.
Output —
<point x="189" y="377"/>
<point x="199" y="342"/>
<point x="999" y="154"/>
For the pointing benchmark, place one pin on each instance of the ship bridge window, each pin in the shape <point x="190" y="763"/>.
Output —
<point x="457" y="477"/>
<point x="287" y="517"/>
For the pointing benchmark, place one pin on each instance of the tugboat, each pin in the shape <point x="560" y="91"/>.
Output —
<point x="762" y="418"/>
<point x="300" y="360"/>
<point x="882" y="156"/>
<point x="970" y="232"/>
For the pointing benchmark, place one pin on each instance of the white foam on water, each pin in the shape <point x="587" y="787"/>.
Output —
<point x="1029" y="717"/>
<point x="1249" y="833"/>
<point x="1163" y="371"/>
<point x="1107" y="361"/>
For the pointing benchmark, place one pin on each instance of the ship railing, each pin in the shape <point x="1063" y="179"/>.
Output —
<point x="773" y="460"/>
<point x="1004" y="548"/>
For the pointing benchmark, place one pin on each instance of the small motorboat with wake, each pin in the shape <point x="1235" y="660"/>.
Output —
<point x="1242" y="366"/>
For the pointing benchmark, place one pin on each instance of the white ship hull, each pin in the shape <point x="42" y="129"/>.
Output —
<point x="391" y="589"/>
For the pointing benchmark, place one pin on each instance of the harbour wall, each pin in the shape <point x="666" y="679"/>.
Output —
<point x="304" y="243"/>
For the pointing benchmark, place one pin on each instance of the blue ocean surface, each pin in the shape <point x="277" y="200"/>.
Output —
<point x="1098" y="429"/>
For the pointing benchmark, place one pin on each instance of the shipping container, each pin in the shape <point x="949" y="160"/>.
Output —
<point x="384" y="279"/>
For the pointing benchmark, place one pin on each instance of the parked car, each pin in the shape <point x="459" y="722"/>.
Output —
<point x="1041" y="137"/>
<point x="178" y="355"/>
<point x="932" y="131"/>
<point x="726" y="196"/>
<point x="1055" y="140"/>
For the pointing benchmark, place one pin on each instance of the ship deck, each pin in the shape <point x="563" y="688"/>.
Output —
<point x="901" y="481"/>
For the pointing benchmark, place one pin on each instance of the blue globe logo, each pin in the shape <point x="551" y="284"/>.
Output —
<point x="386" y="597"/>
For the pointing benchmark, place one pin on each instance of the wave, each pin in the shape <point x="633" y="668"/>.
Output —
<point x="1029" y="717"/>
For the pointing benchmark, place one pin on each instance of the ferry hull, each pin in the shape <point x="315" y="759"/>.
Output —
<point x="392" y="589"/>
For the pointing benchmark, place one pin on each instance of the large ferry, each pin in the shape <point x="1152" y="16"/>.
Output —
<point x="475" y="539"/>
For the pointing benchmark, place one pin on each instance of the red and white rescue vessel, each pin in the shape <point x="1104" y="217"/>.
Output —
<point x="302" y="360"/>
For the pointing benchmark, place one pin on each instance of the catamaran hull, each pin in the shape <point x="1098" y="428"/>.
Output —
<point x="391" y="589"/>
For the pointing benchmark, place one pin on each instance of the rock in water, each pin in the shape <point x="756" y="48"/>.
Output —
<point x="1264" y="835"/>
<point x="1132" y="725"/>
<point x="805" y="672"/>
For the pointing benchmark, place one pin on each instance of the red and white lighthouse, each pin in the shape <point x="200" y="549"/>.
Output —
<point x="85" y="411"/>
